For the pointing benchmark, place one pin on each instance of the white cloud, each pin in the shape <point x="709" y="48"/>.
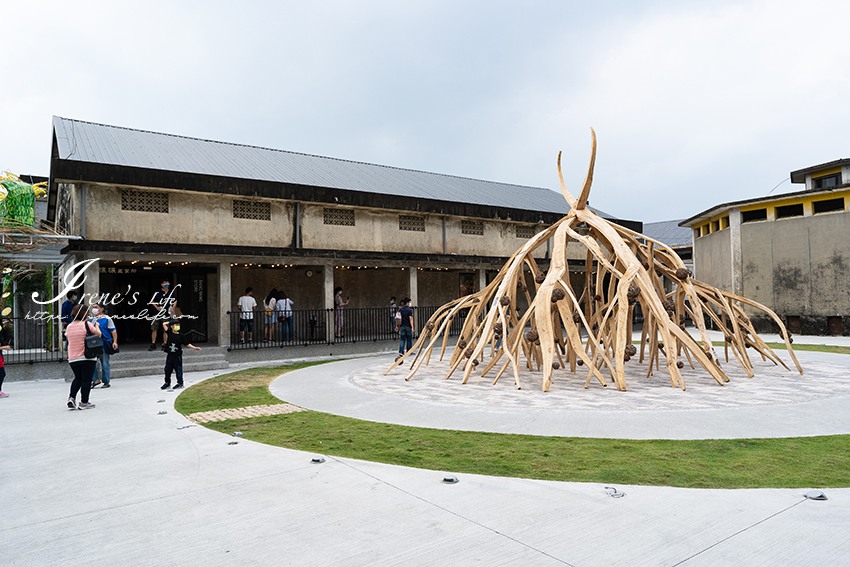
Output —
<point x="695" y="103"/>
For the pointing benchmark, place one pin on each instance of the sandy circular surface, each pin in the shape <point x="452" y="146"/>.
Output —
<point x="772" y="385"/>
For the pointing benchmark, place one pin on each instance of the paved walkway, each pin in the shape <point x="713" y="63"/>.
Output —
<point x="124" y="484"/>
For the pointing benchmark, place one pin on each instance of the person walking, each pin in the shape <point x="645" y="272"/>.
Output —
<point x="284" y="315"/>
<point x="246" y="304"/>
<point x="271" y="315"/>
<point x="109" y="337"/>
<point x="82" y="367"/>
<point x="3" y="370"/>
<point x="406" y="329"/>
<point x="339" y="316"/>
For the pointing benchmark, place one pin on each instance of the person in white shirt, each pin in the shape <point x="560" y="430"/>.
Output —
<point x="284" y="315"/>
<point x="247" y="304"/>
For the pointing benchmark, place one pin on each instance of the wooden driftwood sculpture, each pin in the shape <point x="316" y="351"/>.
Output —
<point x="622" y="269"/>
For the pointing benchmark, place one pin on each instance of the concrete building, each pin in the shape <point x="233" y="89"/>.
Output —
<point x="790" y="252"/>
<point x="217" y="217"/>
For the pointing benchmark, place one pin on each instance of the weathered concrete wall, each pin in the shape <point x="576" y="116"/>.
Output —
<point x="208" y="219"/>
<point x="757" y="260"/>
<point x="373" y="230"/>
<point x="191" y="219"/>
<point x="712" y="263"/>
<point x="800" y="267"/>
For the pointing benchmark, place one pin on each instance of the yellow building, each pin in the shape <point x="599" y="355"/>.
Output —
<point x="790" y="252"/>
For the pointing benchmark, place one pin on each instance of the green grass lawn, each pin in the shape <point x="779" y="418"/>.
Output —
<point x="812" y="348"/>
<point x="725" y="463"/>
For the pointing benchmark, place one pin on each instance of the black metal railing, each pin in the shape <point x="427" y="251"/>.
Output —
<point x="32" y="340"/>
<point x="316" y="326"/>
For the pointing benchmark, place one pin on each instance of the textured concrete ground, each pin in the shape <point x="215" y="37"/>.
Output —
<point x="124" y="484"/>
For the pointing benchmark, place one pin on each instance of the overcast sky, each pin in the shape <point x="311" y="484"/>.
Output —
<point x="694" y="103"/>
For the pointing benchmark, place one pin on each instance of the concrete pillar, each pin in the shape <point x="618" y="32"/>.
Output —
<point x="92" y="285"/>
<point x="329" y="301"/>
<point x="413" y="274"/>
<point x="223" y="306"/>
<point x="482" y="279"/>
<point x="736" y="255"/>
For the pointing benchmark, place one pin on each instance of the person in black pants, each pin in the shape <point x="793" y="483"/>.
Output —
<point x="173" y="348"/>
<point x="82" y="367"/>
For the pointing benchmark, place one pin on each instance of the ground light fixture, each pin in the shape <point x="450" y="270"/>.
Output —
<point x="450" y="480"/>
<point x="815" y="495"/>
<point x="613" y="492"/>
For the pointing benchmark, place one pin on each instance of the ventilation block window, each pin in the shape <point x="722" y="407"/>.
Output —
<point x="828" y="205"/>
<point x="411" y="222"/>
<point x="526" y="231"/>
<point x="753" y="216"/>
<point x="827" y="181"/>
<point x="144" y="201"/>
<point x="788" y="211"/>
<point x="475" y="228"/>
<point x="252" y="210"/>
<point x="339" y="217"/>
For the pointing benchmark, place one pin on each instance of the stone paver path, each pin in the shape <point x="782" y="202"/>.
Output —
<point x="240" y="413"/>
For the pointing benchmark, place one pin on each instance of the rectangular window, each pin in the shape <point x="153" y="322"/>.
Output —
<point x="724" y="222"/>
<point x="826" y="181"/>
<point x="411" y="222"/>
<point x="788" y="211"/>
<point x="828" y="205"/>
<point x="715" y="226"/>
<point x="526" y="231"/>
<point x="753" y="216"/>
<point x="252" y="210"/>
<point x="475" y="228"/>
<point x="696" y="233"/>
<point x="339" y="217"/>
<point x="144" y="201"/>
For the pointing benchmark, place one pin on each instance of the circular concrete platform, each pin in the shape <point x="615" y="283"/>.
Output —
<point x="774" y="403"/>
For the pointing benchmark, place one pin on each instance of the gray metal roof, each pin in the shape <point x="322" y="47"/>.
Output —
<point x="669" y="233"/>
<point x="98" y="143"/>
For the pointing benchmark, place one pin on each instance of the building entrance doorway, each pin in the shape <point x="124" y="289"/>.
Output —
<point x="137" y="288"/>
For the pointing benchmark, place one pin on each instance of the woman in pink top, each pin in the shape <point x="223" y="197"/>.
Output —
<point x="83" y="367"/>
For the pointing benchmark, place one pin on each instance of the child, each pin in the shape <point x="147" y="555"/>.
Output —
<point x="173" y="347"/>
<point x="393" y="311"/>
<point x="3" y="370"/>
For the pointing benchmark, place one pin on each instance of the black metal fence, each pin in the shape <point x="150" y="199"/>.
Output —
<point x="32" y="340"/>
<point x="317" y="326"/>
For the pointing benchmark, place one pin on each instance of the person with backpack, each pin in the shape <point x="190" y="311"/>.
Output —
<point x="82" y="366"/>
<point x="109" y="337"/>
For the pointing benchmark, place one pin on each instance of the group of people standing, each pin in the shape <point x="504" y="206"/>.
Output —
<point x="80" y="321"/>
<point x="88" y="320"/>
<point x="277" y="308"/>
